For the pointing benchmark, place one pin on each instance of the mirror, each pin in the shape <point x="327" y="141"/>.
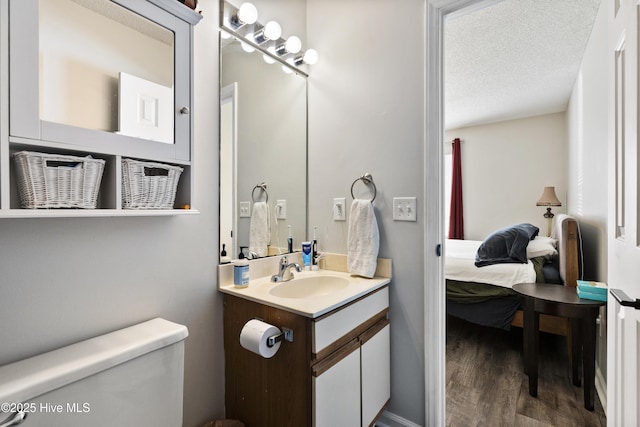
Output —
<point x="91" y="73"/>
<point x="263" y="140"/>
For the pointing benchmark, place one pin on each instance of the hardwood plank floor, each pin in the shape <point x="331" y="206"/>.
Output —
<point x="487" y="386"/>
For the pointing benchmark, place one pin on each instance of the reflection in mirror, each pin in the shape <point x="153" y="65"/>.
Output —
<point x="264" y="112"/>
<point x="90" y="66"/>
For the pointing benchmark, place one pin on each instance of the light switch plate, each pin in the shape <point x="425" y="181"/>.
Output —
<point x="404" y="209"/>
<point x="245" y="209"/>
<point x="339" y="206"/>
<point x="281" y="209"/>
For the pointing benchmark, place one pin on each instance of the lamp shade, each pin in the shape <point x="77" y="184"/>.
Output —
<point x="548" y="198"/>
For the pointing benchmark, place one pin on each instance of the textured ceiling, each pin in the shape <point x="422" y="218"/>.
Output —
<point x="514" y="59"/>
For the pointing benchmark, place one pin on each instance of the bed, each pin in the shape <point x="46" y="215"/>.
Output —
<point x="483" y="295"/>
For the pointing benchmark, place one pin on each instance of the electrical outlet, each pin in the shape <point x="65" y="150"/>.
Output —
<point x="339" y="207"/>
<point x="404" y="209"/>
<point x="245" y="209"/>
<point x="281" y="209"/>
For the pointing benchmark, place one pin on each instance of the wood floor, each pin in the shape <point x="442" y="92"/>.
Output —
<point x="486" y="384"/>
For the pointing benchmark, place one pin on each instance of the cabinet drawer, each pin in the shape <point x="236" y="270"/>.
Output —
<point x="334" y="326"/>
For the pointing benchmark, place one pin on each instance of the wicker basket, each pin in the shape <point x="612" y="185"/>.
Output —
<point x="147" y="185"/>
<point x="57" y="181"/>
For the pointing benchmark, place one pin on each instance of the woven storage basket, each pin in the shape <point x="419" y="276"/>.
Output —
<point x="57" y="181"/>
<point x="148" y="185"/>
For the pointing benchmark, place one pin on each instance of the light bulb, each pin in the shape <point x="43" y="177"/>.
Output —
<point x="224" y="35"/>
<point x="268" y="59"/>
<point x="310" y="56"/>
<point x="286" y="69"/>
<point x="293" y="44"/>
<point x="247" y="14"/>
<point x="272" y="30"/>
<point x="247" y="47"/>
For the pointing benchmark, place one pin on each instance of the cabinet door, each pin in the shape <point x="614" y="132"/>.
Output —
<point x="376" y="375"/>
<point x="336" y="394"/>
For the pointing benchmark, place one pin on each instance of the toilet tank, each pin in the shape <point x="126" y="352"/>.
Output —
<point x="130" y="377"/>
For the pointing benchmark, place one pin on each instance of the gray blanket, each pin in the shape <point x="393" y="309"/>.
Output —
<point x="507" y="245"/>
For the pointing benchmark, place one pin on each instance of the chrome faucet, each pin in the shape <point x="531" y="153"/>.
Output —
<point x="284" y="271"/>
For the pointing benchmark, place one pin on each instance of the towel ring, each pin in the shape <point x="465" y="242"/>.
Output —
<point x="262" y="186"/>
<point x="367" y="179"/>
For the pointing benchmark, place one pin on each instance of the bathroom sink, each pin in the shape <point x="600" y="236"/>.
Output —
<point x="305" y="287"/>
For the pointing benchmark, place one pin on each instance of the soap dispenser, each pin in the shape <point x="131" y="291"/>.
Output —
<point x="241" y="255"/>
<point x="224" y="259"/>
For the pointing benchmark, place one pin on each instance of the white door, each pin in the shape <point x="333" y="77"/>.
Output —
<point x="623" y="369"/>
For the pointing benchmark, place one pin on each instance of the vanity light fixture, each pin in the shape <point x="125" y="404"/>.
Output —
<point x="270" y="31"/>
<point x="246" y="14"/>
<point x="291" y="45"/>
<point x="242" y="24"/>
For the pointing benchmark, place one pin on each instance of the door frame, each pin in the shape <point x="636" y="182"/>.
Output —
<point x="433" y="214"/>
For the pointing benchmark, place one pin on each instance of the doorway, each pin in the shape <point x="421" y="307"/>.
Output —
<point x="435" y="313"/>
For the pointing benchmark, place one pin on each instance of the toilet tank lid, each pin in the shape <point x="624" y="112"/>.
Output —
<point x="28" y="378"/>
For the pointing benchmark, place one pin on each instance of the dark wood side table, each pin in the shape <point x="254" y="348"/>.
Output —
<point x="562" y="301"/>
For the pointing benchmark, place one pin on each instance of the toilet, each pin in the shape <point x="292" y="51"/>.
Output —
<point x="130" y="377"/>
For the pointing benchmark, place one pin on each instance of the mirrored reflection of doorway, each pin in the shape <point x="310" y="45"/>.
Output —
<point x="228" y="135"/>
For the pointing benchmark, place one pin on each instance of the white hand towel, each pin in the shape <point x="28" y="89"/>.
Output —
<point x="363" y="239"/>
<point x="259" y="232"/>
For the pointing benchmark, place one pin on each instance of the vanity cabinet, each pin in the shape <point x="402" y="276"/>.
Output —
<point x="108" y="79"/>
<point x="335" y="372"/>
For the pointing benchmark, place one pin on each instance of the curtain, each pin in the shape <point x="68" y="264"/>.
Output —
<point x="456" y="220"/>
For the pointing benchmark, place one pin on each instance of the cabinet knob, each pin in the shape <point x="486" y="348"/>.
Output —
<point x="184" y="110"/>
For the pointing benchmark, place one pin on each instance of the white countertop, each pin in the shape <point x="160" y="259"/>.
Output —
<point x="258" y="291"/>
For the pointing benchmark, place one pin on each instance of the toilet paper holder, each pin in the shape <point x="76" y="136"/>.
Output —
<point x="286" y="334"/>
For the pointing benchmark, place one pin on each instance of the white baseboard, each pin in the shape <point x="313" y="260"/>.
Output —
<point x="601" y="388"/>
<point x="389" y="419"/>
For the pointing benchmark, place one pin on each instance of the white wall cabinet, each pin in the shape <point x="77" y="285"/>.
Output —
<point x="60" y="74"/>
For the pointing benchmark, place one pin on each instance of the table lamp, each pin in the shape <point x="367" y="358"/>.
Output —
<point x="548" y="199"/>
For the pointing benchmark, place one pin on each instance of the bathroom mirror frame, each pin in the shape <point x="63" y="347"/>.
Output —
<point x="233" y="226"/>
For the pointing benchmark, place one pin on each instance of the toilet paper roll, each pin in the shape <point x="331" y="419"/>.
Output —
<point x="254" y="336"/>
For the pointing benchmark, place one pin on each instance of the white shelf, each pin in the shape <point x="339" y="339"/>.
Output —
<point x="92" y="213"/>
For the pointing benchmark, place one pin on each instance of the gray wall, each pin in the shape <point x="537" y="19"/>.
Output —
<point x="366" y="114"/>
<point x="587" y="116"/>
<point x="64" y="280"/>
